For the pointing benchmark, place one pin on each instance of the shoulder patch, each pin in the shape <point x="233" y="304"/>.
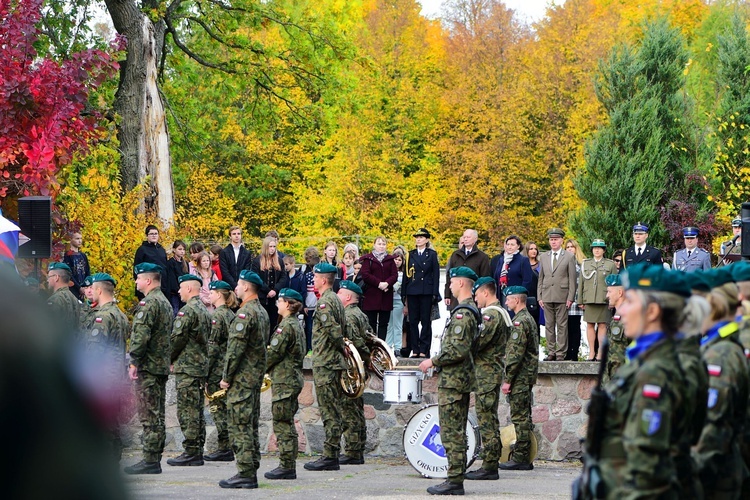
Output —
<point x="713" y="397"/>
<point x="459" y="316"/>
<point x="714" y="370"/>
<point x="616" y="317"/>
<point x="180" y="314"/>
<point x="747" y="353"/>
<point x="274" y="341"/>
<point x="651" y="421"/>
<point x="242" y="315"/>
<point x="516" y="323"/>
<point x="278" y="330"/>
<point x="142" y="303"/>
<point x="322" y="306"/>
<point x="213" y="321"/>
<point x="98" y="320"/>
<point x="651" y="391"/>
<point x="486" y="318"/>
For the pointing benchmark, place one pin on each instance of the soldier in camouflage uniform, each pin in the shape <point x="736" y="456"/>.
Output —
<point x="329" y="324"/>
<point x="224" y="300"/>
<point x="717" y="455"/>
<point x="284" y="358"/>
<point x="149" y="364"/>
<point x="244" y="368"/>
<point x="87" y="306"/>
<point x="106" y="337"/>
<point x="64" y="305"/>
<point x="190" y="331"/>
<point x="456" y="366"/>
<point x="489" y="366"/>
<point x="741" y="274"/>
<point x="618" y="342"/>
<point x="521" y="367"/>
<point x="353" y="409"/>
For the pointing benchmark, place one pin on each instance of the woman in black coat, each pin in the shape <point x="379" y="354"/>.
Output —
<point x="270" y="267"/>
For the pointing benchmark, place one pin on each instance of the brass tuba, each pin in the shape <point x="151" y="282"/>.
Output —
<point x="381" y="356"/>
<point x="266" y="383"/>
<point x="353" y="378"/>
<point x="213" y="408"/>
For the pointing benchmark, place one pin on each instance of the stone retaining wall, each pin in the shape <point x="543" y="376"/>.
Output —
<point x="560" y="399"/>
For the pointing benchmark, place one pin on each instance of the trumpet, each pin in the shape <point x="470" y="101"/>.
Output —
<point x="353" y="379"/>
<point x="381" y="356"/>
<point x="213" y="408"/>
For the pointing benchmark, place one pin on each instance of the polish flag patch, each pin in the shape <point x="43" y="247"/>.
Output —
<point x="616" y="317"/>
<point x="459" y="316"/>
<point x="278" y="330"/>
<point x="142" y="303"/>
<point x="486" y="318"/>
<point x="322" y="306"/>
<point x="242" y="315"/>
<point x="180" y="314"/>
<point x="747" y="353"/>
<point x="714" y="370"/>
<point x="213" y="321"/>
<point x="516" y="323"/>
<point x="651" y="391"/>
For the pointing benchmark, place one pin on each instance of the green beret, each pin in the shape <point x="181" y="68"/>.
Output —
<point x="324" y="268"/>
<point x="697" y="281"/>
<point x="58" y="266"/>
<point x="247" y="275"/>
<point x="463" y="272"/>
<point x="190" y="277"/>
<point x="481" y="282"/>
<point x="719" y="276"/>
<point x="147" y="267"/>
<point x="613" y="280"/>
<point x="422" y="232"/>
<point x="740" y="270"/>
<point x="87" y="282"/>
<point x="351" y="286"/>
<point x="32" y="282"/>
<point x="288" y="293"/>
<point x="101" y="277"/>
<point x="219" y="285"/>
<point x="598" y="244"/>
<point x="555" y="232"/>
<point x="515" y="290"/>
<point x="655" y="278"/>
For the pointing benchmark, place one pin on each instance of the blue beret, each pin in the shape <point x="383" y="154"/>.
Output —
<point x="690" y="232"/>
<point x="515" y="290"/>
<point x="147" y="267"/>
<point x="736" y="222"/>
<point x="247" y="275"/>
<point x="613" y="280"/>
<point x="58" y="266"/>
<point x="101" y="277"/>
<point x="740" y="270"/>
<point x="598" y="244"/>
<point x="640" y="228"/>
<point x="351" y="286"/>
<point x="190" y="277"/>
<point x="324" y="268"/>
<point x="288" y="293"/>
<point x="219" y="285"/>
<point x="463" y="272"/>
<point x="481" y="282"/>
<point x="656" y="278"/>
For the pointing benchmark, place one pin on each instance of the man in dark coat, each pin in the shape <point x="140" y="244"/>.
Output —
<point x="152" y="252"/>
<point x="640" y="251"/>
<point x="468" y="255"/>
<point x="234" y="258"/>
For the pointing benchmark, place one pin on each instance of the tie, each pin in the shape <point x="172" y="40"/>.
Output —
<point x="689" y="252"/>
<point x="554" y="260"/>
<point x="639" y="251"/>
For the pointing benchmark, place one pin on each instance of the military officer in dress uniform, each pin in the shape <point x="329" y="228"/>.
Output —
<point x="736" y="240"/>
<point x="65" y="306"/>
<point x="640" y="251"/>
<point x="692" y="257"/>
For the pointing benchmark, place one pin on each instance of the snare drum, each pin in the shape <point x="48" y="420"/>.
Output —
<point x="423" y="446"/>
<point x="401" y="386"/>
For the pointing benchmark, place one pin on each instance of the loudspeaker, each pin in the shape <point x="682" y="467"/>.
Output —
<point x="35" y="221"/>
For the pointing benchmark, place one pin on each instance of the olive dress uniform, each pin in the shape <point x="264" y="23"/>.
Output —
<point x="592" y="289"/>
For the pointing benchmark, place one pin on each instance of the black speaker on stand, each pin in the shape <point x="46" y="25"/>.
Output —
<point x="35" y="221"/>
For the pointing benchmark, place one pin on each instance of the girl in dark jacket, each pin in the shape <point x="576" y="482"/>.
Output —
<point x="270" y="267"/>
<point x="176" y="267"/>
<point x="379" y="273"/>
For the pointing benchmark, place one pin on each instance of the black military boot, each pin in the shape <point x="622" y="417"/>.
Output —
<point x="238" y="481"/>
<point x="220" y="456"/>
<point x="482" y="474"/>
<point x="186" y="460"/>
<point x="144" y="467"/>
<point x="511" y="465"/>
<point x="323" y="463"/>
<point x="347" y="460"/>
<point x="446" y="488"/>
<point x="281" y="473"/>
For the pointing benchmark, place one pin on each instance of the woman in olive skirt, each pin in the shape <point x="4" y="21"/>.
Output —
<point x="592" y="295"/>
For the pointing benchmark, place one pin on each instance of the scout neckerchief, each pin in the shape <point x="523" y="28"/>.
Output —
<point x="642" y="343"/>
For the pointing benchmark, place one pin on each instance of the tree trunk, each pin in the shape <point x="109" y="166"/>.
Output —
<point x="143" y="135"/>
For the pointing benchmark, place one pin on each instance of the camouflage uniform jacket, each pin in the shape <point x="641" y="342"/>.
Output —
<point x="522" y="351"/>
<point x="618" y="342"/>
<point x="221" y="320"/>
<point x="150" y="347"/>
<point x="357" y="330"/>
<point x="696" y="393"/>
<point x="455" y="360"/>
<point x="108" y="332"/>
<point x="329" y="324"/>
<point x="189" y="339"/>
<point x="245" y="363"/>
<point x="284" y="358"/>
<point x="646" y="397"/>
<point x="65" y="308"/>
<point x="87" y="316"/>
<point x="489" y="363"/>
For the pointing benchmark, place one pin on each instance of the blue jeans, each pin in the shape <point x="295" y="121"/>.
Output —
<point x="396" y="325"/>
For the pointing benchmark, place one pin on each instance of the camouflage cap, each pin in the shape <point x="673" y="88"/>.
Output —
<point x="481" y="282"/>
<point x="219" y="285"/>
<point x="147" y="267"/>
<point x="351" y="286"/>
<point x="102" y="277"/>
<point x="58" y="266"/>
<point x="655" y="278"/>
<point x="515" y="290"/>
<point x="247" y="275"/>
<point x="463" y="272"/>
<point x="190" y="277"/>
<point x="288" y="293"/>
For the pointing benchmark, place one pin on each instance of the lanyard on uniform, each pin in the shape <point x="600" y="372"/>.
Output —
<point x="721" y="329"/>
<point x="642" y="343"/>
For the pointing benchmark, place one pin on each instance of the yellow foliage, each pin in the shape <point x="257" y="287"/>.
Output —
<point x="203" y="208"/>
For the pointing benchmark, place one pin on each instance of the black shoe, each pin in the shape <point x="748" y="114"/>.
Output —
<point x="347" y="460"/>
<point x="238" y="481"/>
<point x="144" y="467"/>
<point x="281" y="473"/>
<point x="446" y="488"/>
<point x="186" y="460"/>
<point x="511" y="465"/>
<point x="220" y="456"/>
<point x="482" y="474"/>
<point x="323" y="463"/>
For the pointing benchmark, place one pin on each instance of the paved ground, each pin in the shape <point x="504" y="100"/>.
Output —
<point x="377" y="478"/>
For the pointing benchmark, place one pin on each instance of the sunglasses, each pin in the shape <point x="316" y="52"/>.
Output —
<point x="618" y="260"/>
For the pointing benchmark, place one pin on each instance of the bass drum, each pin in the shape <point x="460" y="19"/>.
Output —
<point x="423" y="446"/>
<point x="508" y="438"/>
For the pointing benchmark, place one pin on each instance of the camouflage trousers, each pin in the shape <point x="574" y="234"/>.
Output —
<point x="220" y="416"/>
<point x="243" y="432"/>
<point x="615" y="359"/>
<point x="330" y="395"/>
<point x="151" y="391"/>
<point x="355" y="430"/>
<point x="489" y="427"/>
<point x="283" y="412"/>
<point x="453" y="413"/>
<point x="190" y="413"/>
<point x="520" y="415"/>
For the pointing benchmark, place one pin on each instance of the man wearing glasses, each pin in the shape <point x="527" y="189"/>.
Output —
<point x="692" y="257"/>
<point x="152" y="252"/>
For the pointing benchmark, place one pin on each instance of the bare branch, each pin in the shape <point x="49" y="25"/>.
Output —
<point x="192" y="55"/>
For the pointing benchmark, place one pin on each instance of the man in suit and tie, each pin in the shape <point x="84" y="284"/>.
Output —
<point x="640" y="251"/>
<point x="234" y="258"/>
<point x="556" y="291"/>
<point x="692" y="257"/>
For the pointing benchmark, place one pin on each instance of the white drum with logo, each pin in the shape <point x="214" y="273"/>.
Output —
<point x="402" y="386"/>
<point x="424" y="448"/>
